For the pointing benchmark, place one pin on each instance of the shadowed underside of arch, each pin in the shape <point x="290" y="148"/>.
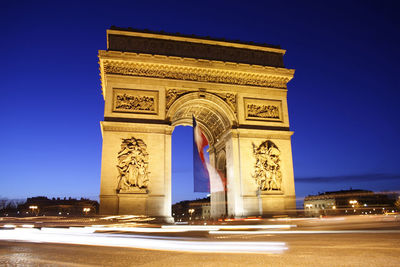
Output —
<point x="213" y="115"/>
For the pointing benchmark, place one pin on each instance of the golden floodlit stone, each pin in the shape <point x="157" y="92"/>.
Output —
<point x="152" y="82"/>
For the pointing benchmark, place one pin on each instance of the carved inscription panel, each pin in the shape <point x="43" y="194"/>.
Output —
<point x="263" y="109"/>
<point x="135" y="101"/>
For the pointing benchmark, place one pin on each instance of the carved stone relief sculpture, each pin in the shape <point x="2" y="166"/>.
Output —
<point x="229" y="98"/>
<point x="132" y="166"/>
<point x="135" y="101"/>
<point x="172" y="95"/>
<point x="263" y="111"/>
<point x="267" y="172"/>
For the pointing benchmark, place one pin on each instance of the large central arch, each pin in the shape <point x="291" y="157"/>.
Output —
<point x="214" y="116"/>
<point x="236" y="91"/>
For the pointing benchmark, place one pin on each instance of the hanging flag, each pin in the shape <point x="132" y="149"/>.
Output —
<point x="206" y="177"/>
<point x="200" y="172"/>
<point x="217" y="180"/>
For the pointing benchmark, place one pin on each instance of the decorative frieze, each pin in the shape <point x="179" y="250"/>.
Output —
<point x="263" y="109"/>
<point x="194" y="74"/>
<point x="267" y="173"/>
<point x="135" y="101"/>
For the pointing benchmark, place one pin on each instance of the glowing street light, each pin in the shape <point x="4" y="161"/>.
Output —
<point x="353" y="202"/>
<point x="86" y="210"/>
<point x="33" y="208"/>
<point x="191" y="213"/>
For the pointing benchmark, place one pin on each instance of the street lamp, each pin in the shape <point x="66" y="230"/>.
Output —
<point x="353" y="204"/>
<point x="34" y="208"/>
<point x="86" y="210"/>
<point x="191" y="213"/>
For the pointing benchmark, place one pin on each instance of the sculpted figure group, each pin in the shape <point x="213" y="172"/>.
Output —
<point x="263" y="111"/>
<point x="130" y="102"/>
<point x="132" y="165"/>
<point x="267" y="173"/>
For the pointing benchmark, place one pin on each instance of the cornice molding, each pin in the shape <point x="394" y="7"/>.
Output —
<point x="193" y="62"/>
<point x="264" y="134"/>
<point x="111" y="126"/>
<point x="278" y="80"/>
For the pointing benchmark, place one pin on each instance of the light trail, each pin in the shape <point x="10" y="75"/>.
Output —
<point x="9" y="226"/>
<point x="218" y="227"/>
<point x="305" y="232"/>
<point x="28" y="225"/>
<point x="66" y="236"/>
<point x="186" y="228"/>
<point x="138" y="229"/>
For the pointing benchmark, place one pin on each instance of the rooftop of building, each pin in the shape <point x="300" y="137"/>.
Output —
<point x="340" y="193"/>
<point x="177" y="34"/>
<point x="350" y="193"/>
<point x="193" y="46"/>
<point x="46" y="200"/>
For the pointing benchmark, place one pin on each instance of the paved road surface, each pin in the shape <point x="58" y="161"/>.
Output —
<point x="304" y="250"/>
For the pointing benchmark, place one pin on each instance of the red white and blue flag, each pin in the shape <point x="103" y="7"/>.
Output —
<point x="206" y="177"/>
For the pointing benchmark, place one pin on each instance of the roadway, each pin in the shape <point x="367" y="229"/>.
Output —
<point x="356" y="241"/>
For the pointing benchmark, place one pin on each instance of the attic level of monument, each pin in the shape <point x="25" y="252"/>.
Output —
<point x="193" y="36"/>
<point x="190" y="47"/>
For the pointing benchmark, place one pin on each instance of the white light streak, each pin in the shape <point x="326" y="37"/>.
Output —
<point x="9" y="226"/>
<point x="306" y="232"/>
<point x="218" y="227"/>
<point x="139" y="229"/>
<point x="65" y="236"/>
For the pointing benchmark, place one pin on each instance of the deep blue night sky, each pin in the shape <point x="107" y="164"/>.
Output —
<point x="343" y="100"/>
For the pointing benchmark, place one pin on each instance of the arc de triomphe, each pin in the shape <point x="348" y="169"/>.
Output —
<point x="152" y="82"/>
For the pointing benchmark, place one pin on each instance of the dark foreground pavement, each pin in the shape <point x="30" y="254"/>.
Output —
<point x="378" y="249"/>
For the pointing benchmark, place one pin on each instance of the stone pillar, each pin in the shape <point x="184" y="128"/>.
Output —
<point x="153" y="200"/>
<point x="217" y="199"/>
<point x="234" y="187"/>
<point x="269" y="200"/>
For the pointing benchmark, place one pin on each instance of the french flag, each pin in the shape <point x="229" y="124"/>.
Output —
<point x="206" y="177"/>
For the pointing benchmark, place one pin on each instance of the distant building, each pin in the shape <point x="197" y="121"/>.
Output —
<point x="349" y="202"/>
<point x="56" y="206"/>
<point x="206" y="211"/>
<point x="191" y="210"/>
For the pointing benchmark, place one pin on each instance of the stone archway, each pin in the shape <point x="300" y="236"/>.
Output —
<point x="237" y="92"/>
<point x="216" y="119"/>
<point x="214" y="116"/>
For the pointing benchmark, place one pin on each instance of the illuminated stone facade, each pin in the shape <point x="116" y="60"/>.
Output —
<point x="152" y="82"/>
